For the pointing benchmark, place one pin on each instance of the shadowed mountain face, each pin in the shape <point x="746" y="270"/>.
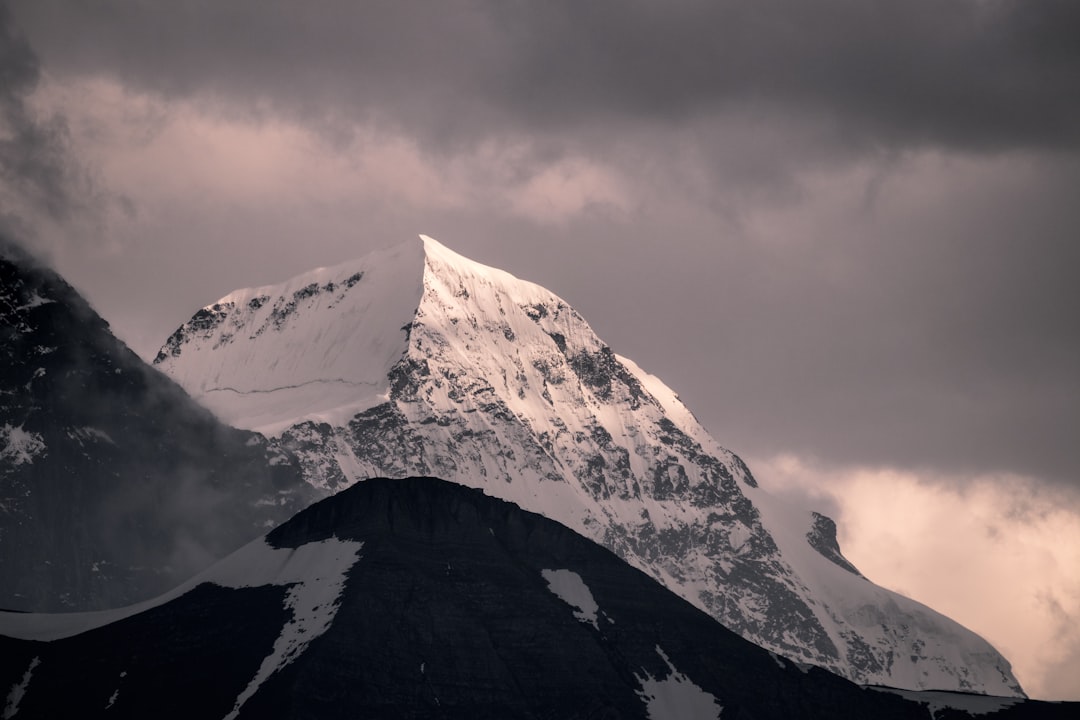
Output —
<point x="421" y="598"/>
<point x="114" y="484"/>
<point x="418" y="361"/>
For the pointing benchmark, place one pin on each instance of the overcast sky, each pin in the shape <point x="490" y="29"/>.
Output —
<point x="847" y="233"/>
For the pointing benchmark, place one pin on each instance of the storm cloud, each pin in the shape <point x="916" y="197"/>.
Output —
<point x="978" y="76"/>
<point x="845" y="232"/>
<point x="35" y="162"/>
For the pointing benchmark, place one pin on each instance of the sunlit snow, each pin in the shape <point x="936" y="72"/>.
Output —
<point x="317" y="347"/>
<point x="503" y="386"/>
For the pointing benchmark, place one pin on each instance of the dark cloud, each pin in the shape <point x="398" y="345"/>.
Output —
<point x="978" y="75"/>
<point x="941" y="335"/>
<point x="973" y="75"/>
<point x="941" y="338"/>
<point x="35" y="163"/>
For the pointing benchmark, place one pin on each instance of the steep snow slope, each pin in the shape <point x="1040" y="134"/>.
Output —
<point x="442" y="366"/>
<point x="352" y="319"/>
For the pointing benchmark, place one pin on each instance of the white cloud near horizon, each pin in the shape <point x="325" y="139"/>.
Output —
<point x="999" y="554"/>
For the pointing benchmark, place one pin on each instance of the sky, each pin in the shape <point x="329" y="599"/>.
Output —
<point x="847" y="233"/>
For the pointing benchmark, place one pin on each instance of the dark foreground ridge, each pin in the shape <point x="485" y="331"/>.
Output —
<point x="457" y="606"/>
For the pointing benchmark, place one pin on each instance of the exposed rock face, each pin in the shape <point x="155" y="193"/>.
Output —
<point x="114" y="484"/>
<point x="822" y="537"/>
<point x="417" y="361"/>
<point x="419" y="598"/>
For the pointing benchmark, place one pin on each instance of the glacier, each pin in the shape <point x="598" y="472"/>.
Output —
<point x="417" y="361"/>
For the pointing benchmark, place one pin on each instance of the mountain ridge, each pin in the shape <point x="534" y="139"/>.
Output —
<point x="417" y="597"/>
<point x="497" y="383"/>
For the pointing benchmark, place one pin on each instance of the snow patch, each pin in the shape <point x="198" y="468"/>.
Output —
<point x="314" y="603"/>
<point x="18" y="690"/>
<point x="83" y="434"/>
<point x="676" y="697"/>
<point x="34" y="301"/>
<point x="568" y="586"/>
<point x="738" y="535"/>
<point x="19" y="446"/>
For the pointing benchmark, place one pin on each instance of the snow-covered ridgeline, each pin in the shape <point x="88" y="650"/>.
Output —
<point x="496" y="383"/>
<point x="354" y="316"/>
<point x="942" y="653"/>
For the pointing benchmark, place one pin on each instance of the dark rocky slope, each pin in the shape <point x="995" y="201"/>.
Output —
<point x="114" y="484"/>
<point x="447" y="609"/>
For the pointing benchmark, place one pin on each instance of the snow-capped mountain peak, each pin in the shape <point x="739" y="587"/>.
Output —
<point x="418" y="361"/>
<point x="301" y="347"/>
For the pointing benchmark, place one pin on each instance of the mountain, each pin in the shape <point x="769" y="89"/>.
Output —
<point x="420" y="598"/>
<point x="114" y="484"/>
<point x="417" y="361"/>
